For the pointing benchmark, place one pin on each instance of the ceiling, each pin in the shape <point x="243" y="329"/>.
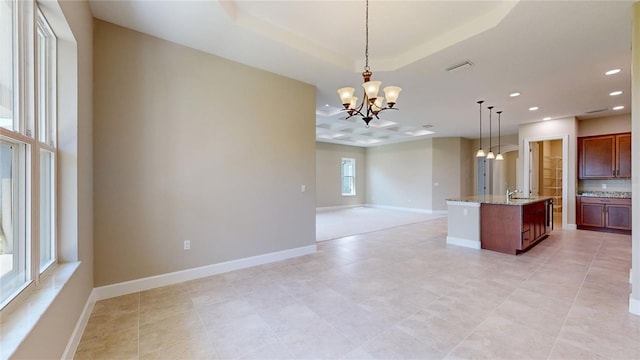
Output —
<point x="554" y="53"/>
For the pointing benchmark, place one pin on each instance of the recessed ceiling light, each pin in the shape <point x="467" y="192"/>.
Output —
<point x="620" y="107"/>
<point x="533" y="108"/>
<point x="612" y="72"/>
<point x="547" y="118"/>
<point x="615" y="93"/>
<point x="515" y="94"/>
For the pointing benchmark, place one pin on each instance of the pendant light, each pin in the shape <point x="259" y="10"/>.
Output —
<point x="480" y="152"/>
<point x="499" y="156"/>
<point x="490" y="155"/>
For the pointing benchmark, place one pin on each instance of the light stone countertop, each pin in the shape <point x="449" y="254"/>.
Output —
<point x="606" y="194"/>
<point x="500" y="199"/>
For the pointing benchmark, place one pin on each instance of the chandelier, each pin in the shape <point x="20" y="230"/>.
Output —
<point x="371" y="104"/>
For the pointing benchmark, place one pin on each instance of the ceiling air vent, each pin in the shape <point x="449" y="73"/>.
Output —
<point x="596" y="111"/>
<point x="460" y="65"/>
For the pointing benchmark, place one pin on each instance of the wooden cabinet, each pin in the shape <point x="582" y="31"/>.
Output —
<point x="605" y="156"/>
<point x="514" y="228"/>
<point x="604" y="214"/>
<point x="623" y="155"/>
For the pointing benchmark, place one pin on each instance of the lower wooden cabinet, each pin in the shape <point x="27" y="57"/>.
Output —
<point x="514" y="228"/>
<point x="604" y="214"/>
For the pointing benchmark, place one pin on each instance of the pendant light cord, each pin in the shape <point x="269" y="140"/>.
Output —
<point x="366" y="31"/>
<point x="480" y="112"/>
<point x="499" y="147"/>
<point x="490" y="111"/>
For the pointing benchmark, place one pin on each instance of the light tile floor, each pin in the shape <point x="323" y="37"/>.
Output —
<point x="391" y="294"/>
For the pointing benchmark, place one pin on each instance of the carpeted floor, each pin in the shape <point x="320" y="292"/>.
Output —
<point x="333" y="224"/>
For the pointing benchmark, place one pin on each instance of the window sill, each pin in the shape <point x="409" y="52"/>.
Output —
<point x="17" y="325"/>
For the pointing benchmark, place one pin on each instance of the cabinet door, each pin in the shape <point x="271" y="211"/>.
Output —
<point x="591" y="214"/>
<point x="534" y="220"/>
<point x="597" y="157"/>
<point x="623" y="156"/>
<point x="618" y="217"/>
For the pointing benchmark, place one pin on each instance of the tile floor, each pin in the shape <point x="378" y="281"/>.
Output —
<point x="391" y="294"/>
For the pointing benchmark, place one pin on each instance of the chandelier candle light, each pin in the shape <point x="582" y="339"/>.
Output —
<point x="480" y="152"/>
<point x="371" y="104"/>
<point x="499" y="156"/>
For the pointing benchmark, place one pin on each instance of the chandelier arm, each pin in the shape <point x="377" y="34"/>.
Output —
<point x="358" y="109"/>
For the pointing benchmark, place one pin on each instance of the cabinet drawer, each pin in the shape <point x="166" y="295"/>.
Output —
<point x="604" y="201"/>
<point x="526" y="239"/>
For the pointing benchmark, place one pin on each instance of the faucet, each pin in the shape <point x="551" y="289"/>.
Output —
<point x="509" y="193"/>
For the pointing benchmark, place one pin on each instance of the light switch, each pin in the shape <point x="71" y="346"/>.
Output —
<point x="303" y="188"/>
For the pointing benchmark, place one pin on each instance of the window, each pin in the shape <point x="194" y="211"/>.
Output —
<point x="27" y="148"/>
<point x="348" y="177"/>
<point x="13" y="250"/>
<point x="7" y="68"/>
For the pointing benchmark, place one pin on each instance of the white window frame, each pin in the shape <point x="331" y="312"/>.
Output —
<point x="46" y="141"/>
<point x="28" y="21"/>
<point x="351" y="177"/>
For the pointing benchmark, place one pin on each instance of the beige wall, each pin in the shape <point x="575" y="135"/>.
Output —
<point x="605" y="125"/>
<point x="400" y="175"/>
<point x="452" y="170"/>
<point x="50" y="335"/>
<point x="190" y="146"/>
<point x="328" y="174"/>
<point x="634" y="298"/>
<point x="419" y="174"/>
<point x="467" y="165"/>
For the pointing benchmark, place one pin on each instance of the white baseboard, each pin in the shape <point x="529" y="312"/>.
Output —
<point x="339" y="207"/>
<point x="415" y="210"/>
<point x="463" y="242"/>
<point x="571" y="227"/>
<point x="634" y="305"/>
<point x="631" y="276"/>
<point x="133" y="286"/>
<point x="76" y="336"/>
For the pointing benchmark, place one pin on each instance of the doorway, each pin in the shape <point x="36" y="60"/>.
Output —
<point x="546" y="173"/>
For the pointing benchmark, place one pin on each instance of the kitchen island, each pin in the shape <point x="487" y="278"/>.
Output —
<point x="496" y="223"/>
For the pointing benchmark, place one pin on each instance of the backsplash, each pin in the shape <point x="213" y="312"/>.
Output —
<point x="611" y="185"/>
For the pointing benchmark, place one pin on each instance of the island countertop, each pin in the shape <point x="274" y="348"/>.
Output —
<point x="498" y="199"/>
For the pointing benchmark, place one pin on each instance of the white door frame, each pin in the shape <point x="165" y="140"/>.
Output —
<point x="565" y="169"/>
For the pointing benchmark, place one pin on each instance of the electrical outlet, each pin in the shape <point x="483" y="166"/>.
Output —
<point x="187" y="244"/>
<point x="604" y="186"/>
<point x="465" y="212"/>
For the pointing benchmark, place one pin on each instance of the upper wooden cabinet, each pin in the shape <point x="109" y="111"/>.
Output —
<point x="623" y="155"/>
<point x="604" y="157"/>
